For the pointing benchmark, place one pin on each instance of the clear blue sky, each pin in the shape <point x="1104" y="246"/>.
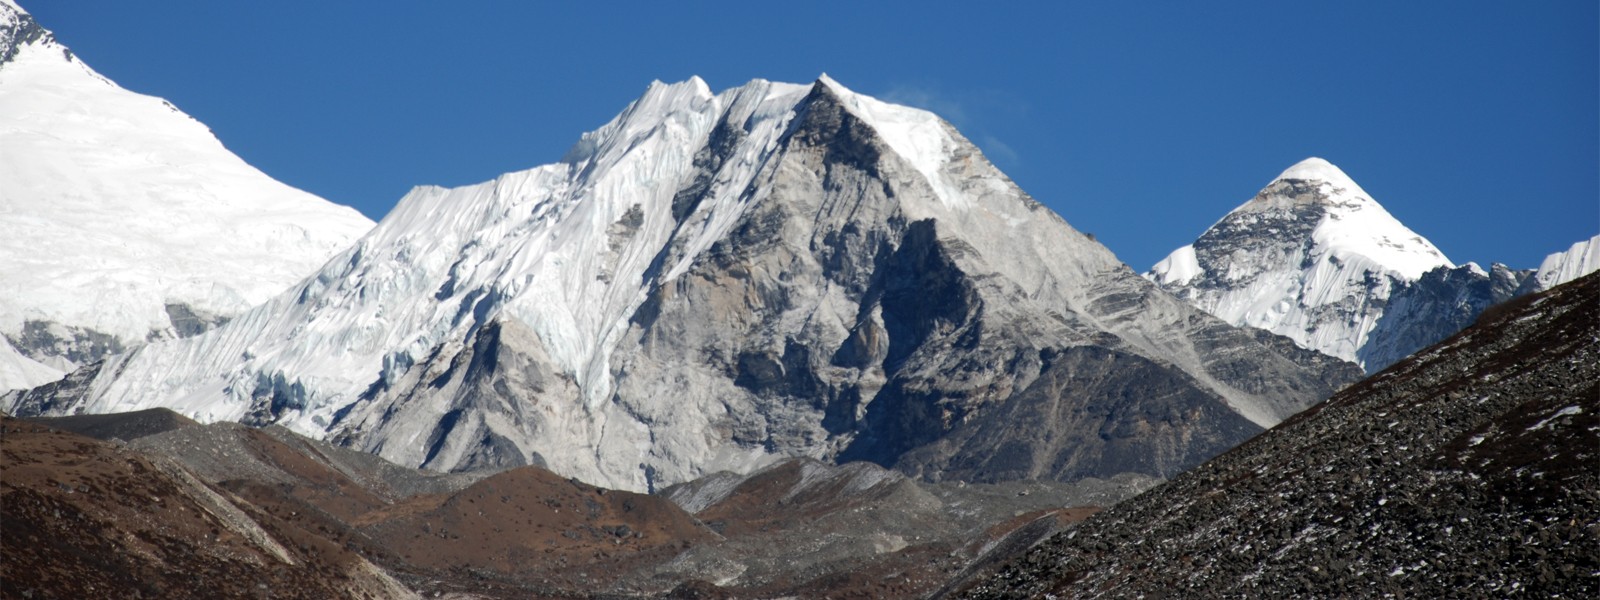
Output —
<point x="1475" y="123"/>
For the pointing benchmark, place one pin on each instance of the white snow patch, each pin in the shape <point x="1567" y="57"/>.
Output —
<point x="1178" y="268"/>
<point x="1565" y="412"/>
<point x="18" y="372"/>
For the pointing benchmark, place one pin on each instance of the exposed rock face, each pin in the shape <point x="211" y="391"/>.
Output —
<point x="1090" y="411"/>
<point x="472" y="407"/>
<point x="716" y="281"/>
<point x="1467" y="470"/>
<point x="1443" y="301"/>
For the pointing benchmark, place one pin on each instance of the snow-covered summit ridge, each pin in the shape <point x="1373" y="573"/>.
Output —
<point x="121" y="215"/>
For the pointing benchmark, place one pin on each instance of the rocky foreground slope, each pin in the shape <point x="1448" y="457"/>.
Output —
<point x="81" y="518"/>
<point x="1469" y="470"/>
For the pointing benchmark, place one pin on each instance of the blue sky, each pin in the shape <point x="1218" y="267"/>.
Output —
<point x="1475" y="123"/>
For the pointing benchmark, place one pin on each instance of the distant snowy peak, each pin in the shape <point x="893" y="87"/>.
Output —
<point x="1312" y="257"/>
<point x="1581" y="259"/>
<point x="1351" y="222"/>
<point x="1314" y="202"/>
<point x="124" y="220"/>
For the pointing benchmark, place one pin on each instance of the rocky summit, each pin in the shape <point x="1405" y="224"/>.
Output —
<point x="1468" y="470"/>
<point x="716" y="281"/>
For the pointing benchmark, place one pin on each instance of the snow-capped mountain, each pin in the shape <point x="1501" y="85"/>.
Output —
<point x="124" y="220"/>
<point x="1312" y="257"/>
<point x="713" y="281"/>
<point x="1581" y="259"/>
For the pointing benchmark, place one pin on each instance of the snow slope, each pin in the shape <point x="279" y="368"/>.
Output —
<point x="1581" y="259"/>
<point x="115" y="205"/>
<point x="1312" y="257"/>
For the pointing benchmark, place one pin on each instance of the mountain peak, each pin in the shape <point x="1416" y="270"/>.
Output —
<point x="1312" y="256"/>
<point x="1341" y="218"/>
<point x="832" y="83"/>
<point x="18" y="29"/>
